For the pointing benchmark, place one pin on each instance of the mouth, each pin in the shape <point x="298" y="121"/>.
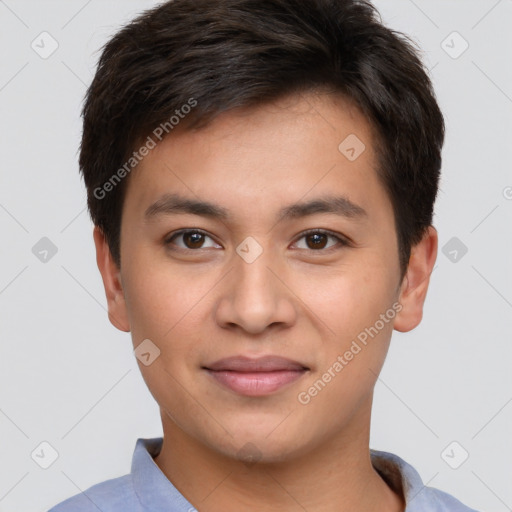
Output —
<point x="255" y="377"/>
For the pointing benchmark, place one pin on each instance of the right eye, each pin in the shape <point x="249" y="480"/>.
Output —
<point x="191" y="239"/>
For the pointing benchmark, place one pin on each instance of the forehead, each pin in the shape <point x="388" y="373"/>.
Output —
<point x="268" y="156"/>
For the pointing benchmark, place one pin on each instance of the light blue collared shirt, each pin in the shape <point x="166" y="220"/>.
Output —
<point x="147" y="489"/>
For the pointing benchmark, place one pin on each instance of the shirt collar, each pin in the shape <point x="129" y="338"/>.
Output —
<point x="403" y="479"/>
<point x="152" y="487"/>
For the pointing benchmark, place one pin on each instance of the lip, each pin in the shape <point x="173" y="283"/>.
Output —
<point x="256" y="376"/>
<point x="260" y="364"/>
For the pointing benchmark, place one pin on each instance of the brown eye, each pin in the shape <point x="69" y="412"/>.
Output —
<point x="318" y="240"/>
<point x="190" y="239"/>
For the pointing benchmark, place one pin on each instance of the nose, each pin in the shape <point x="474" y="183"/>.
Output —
<point x="255" y="296"/>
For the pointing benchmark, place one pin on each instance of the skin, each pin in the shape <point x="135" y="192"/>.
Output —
<point x="295" y="300"/>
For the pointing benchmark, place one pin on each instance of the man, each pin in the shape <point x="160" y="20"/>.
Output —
<point x="262" y="177"/>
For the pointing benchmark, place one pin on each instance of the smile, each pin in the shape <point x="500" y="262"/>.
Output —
<point x="255" y="377"/>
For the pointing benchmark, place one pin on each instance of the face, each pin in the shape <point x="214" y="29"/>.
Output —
<point x="259" y="257"/>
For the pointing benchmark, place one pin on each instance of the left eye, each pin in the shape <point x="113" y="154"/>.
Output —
<point x="318" y="240"/>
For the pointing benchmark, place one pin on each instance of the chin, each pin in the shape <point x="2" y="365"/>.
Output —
<point x="252" y="447"/>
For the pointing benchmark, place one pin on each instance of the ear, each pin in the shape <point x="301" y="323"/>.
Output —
<point x="413" y="290"/>
<point x="111" y="276"/>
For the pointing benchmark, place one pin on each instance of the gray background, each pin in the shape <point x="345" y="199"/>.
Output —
<point x="69" y="378"/>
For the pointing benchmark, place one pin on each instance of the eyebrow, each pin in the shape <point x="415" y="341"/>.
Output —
<point x="171" y="204"/>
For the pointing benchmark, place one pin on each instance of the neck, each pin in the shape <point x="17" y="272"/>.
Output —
<point x="336" y="475"/>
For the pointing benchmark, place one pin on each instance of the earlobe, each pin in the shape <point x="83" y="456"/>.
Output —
<point x="111" y="277"/>
<point x="415" y="283"/>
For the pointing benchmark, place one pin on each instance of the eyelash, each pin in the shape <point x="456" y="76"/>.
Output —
<point x="342" y="241"/>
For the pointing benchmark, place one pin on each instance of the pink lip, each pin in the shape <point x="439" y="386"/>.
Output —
<point x="255" y="377"/>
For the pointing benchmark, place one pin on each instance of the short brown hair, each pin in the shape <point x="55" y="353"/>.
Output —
<point x="223" y="54"/>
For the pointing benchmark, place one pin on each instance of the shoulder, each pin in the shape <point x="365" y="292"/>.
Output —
<point x="115" y="495"/>
<point x="440" y="501"/>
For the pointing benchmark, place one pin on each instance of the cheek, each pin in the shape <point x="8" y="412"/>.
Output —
<point x="346" y="299"/>
<point x="163" y="306"/>
<point x="349" y="303"/>
<point x="162" y="298"/>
